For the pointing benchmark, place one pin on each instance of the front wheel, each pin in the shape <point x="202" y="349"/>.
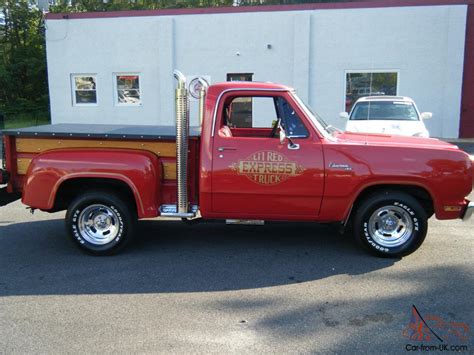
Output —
<point x="100" y="223"/>
<point x="390" y="224"/>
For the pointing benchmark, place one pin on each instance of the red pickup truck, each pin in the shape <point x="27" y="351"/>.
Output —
<point x="260" y="154"/>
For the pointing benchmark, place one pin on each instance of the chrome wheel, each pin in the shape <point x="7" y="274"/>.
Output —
<point x="98" y="224"/>
<point x="390" y="226"/>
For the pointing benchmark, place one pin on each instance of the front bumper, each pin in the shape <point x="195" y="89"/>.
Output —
<point x="469" y="211"/>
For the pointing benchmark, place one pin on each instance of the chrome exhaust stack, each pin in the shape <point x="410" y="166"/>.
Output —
<point x="182" y="144"/>
<point x="202" y="98"/>
<point x="182" y="209"/>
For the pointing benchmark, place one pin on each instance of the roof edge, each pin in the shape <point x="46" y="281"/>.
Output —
<point x="248" y="9"/>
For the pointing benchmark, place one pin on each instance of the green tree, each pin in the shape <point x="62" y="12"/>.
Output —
<point x="23" y="80"/>
<point x="287" y="2"/>
<point x="118" y="5"/>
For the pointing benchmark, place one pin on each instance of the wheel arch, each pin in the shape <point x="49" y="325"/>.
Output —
<point x="421" y="193"/>
<point x="67" y="189"/>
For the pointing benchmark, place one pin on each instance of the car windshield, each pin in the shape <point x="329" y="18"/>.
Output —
<point x="323" y="127"/>
<point x="384" y="110"/>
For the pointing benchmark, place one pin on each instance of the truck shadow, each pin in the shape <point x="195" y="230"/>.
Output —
<point x="36" y="258"/>
<point x="350" y="322"/>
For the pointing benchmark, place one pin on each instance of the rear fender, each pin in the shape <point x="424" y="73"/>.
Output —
<point x="140" y="170"/>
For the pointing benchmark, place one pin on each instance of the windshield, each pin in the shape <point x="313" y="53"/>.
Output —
<point x="384" y="110"/>
<point x="323" y="127"/>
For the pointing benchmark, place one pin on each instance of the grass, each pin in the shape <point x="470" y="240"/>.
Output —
<point x="26" y="120"/>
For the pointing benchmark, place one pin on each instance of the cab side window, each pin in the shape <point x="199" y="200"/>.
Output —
<point x="260" y="117"/>
<point x="250" y="112"/>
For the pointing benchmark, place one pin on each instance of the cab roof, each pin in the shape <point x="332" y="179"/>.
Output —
<point x="249" y="85"/>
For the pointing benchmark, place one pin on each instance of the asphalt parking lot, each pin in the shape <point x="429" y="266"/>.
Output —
<point x="217" y="289"/>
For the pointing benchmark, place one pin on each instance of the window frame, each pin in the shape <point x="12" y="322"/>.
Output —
<point x="73" y="77"/>
<point x="219" y="116"/>
<point x="366" y="71"/>
<point x="116" y="89"/>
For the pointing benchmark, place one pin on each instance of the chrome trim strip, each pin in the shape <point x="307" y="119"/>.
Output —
<point x="246" y="222"/>
<point x="237" y="89"/>
<point x="178" y="215"/>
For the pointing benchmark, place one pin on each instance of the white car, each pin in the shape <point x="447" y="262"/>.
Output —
<point x="387" y="115"/>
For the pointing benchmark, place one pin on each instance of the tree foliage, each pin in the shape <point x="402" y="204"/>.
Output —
<point x="118" y="5"/>
<point x="23" y="83"/>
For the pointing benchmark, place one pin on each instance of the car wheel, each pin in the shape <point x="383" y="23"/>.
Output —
<point x="100" y="223"/>
<point x="390" y="224"/>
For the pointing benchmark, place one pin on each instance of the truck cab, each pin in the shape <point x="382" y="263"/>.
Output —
<point x="247" y="160"/>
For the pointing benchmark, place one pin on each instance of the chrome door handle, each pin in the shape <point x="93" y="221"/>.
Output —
<point x="221" y="149"/>
<point x="293" y="146"/>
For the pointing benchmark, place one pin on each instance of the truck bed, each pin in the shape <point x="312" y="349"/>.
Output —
<point x="101" y="131"/>
<point x="26" y="143"/>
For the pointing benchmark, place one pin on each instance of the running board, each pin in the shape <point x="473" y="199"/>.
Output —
<point x="246" y="222"/>
<point x="172" y="211"/>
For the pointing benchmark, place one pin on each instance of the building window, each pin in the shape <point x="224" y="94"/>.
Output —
<point x="242" y="107"/>
<point x="369" y="83"/>
<point x="127" y="89"/>
<point x="239" y="76"/>
<point x="84" y="89"/>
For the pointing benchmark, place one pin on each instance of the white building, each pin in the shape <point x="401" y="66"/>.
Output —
<point x="116" y="67"/>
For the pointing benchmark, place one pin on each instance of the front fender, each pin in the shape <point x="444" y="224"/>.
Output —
<point x="140" y="170"/>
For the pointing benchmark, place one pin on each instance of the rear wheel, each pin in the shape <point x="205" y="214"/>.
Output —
<point x="100" y="223"/>
<point x="390" y="224"/>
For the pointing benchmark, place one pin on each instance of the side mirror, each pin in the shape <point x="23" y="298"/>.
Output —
<point x="426" y="115"/>
<point x="344" y="115"/>
<point x="282" y="135"/>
